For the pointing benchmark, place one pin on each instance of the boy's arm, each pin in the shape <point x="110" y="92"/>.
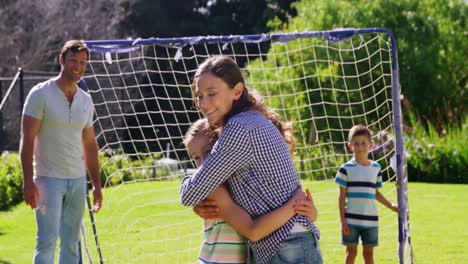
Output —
<point x="379" y="197"/>
<point x="243" y="223"/>
<point x="341" y="206"/>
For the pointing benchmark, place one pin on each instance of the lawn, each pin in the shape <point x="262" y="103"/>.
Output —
<point x="144" y="223"/>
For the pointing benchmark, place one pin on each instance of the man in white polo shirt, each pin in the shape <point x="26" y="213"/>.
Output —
<point x="57" y="133"/>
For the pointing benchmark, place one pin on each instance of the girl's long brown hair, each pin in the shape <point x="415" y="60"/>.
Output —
<point x="227" y="70"/>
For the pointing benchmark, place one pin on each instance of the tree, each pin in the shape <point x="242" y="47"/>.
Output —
<point x="432" y="46"/>
<point x="181" y="18"/>
<point x="33" y="33"/>
<point x="36" y="30"/>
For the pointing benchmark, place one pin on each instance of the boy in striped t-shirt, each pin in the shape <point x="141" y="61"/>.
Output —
<point x="359" y="180"/>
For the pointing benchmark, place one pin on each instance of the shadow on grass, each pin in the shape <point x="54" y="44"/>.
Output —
<point x="4" y="261"/>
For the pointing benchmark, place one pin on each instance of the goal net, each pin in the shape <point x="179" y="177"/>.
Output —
<point x="323" y="82"/>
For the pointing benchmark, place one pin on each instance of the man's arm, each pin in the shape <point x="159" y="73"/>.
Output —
<point x="341" y="206"/>
<point x="243" y="223"/>
<point x="379" y="197"/>
<point x="30" y="127"/>
<point x="91" y="157"/>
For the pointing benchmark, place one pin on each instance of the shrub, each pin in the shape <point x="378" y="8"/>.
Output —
<point x="437" y="158"/>
<point x="11" y="181"/>
<point x="311" y="162"/>
<point x="430" y="158"/>
<point x="117" y="168"/>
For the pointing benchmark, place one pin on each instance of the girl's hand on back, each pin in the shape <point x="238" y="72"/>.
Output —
<point x="298" y="194"/>
<point x="306" y="207"/>
<point x="207" y="209"/>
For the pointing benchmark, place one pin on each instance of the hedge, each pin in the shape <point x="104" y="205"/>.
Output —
<point x="430" y="158"/>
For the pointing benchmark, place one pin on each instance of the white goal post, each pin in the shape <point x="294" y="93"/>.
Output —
<point x="324" y="82"/>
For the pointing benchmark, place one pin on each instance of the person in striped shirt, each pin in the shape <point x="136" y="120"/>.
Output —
<point x="252" y="156"/>
<point x="222" y="243"/>
<point x="359" y="180"/>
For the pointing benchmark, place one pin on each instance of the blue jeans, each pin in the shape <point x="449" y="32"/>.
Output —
<point x="59" y="215"/>
<point x="299" y="248"/>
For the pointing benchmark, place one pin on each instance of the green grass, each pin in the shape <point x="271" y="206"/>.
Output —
<point x="144" y="223"/>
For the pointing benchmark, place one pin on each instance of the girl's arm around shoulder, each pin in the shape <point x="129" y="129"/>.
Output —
<point x="243" y="223"/>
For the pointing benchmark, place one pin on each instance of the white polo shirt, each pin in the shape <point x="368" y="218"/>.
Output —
<point x="58" y="149"/>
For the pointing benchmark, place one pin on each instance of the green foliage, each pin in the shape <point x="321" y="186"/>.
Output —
<point x="114" y="169"/>
<point x="431" y="48"/>
<point x="431" y="42"/>
<point x="321" y="83"/>
<point x="203" y="17"/>
<point x="435" y="158"/>
<point x="117" y="168"/>
<point x="430" y="158"/>
<point x="11" y="181"/>
<point x="318" y="162"/>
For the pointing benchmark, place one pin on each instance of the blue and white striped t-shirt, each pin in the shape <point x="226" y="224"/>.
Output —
<point x="361" y="183"/>
<point x="254" y="159"/>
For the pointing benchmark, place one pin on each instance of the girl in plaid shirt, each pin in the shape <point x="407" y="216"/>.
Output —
<point x="223" y="235"/>
<point x="252" y="155"/>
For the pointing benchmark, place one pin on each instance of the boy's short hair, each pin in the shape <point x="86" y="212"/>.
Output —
<point x="201" y="127"/>
<point x="74" y="46"/>
<point x="359" y="130"/>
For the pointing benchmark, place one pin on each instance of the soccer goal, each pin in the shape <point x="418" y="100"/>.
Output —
<point x="324" y="82"/>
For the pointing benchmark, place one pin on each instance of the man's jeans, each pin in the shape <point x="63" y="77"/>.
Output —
<point x="59" y="214"/>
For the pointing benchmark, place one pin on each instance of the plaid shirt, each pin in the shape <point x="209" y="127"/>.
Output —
<point x="253" y="157"/>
